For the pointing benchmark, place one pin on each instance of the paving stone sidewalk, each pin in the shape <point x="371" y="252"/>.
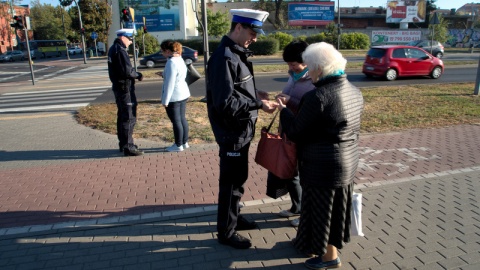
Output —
<point x="69" y="199"/>
<point x="55" y="171"/>
<point x="430" y="223"/>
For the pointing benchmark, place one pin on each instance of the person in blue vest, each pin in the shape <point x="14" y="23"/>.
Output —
<point x="123" y="75"/>
<point x="233" y="103"/>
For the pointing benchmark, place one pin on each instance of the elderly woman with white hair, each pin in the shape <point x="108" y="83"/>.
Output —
<point x="326" y="130"/>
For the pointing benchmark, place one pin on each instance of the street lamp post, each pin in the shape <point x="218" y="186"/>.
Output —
<point x="82" y="33"/>
<point x="65" y="32"/>
<point x="67" y="3"/>
<point x="339" y="27"/>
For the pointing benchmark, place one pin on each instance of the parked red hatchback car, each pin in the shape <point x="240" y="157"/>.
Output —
<point x="393" y="61"/>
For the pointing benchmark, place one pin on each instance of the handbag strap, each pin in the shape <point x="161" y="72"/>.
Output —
<point x="271" y="123"/>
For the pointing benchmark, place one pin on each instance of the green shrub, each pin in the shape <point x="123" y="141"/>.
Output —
<point x="266" y="46"/>
<point x="283" y="39"/>
<point x="316" y="38"/>
<point x="302" y="38"/>
<point x="196" y="44"/>
<point x="354" y="41"/>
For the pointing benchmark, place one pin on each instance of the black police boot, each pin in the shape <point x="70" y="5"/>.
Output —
<point x="132" y="152"/>
<point x="235" y="241"/>
<point x="243" y="224"/>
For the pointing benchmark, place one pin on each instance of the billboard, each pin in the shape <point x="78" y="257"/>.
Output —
<point x="160" y="15"/>
<point x="394" y="36"/>
<point x="406" y="11"/>
<point x="310" y="13"/>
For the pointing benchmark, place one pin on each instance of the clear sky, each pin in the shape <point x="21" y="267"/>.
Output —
<point x="444" y="4"/>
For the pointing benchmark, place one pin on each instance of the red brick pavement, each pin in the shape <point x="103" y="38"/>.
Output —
<point x="164" y="181"/>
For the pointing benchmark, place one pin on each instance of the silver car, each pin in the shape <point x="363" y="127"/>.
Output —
<point x="12" y="56"/>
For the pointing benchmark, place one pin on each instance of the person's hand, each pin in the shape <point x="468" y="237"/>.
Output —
<point x="268" y="106"/>
<point x="262" y="95"/>
<point x="283" y="97"/>
<point x="139" y="76"/>
<point x="280" y="104"/>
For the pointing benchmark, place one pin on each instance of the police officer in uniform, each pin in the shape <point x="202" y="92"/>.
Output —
<point x="233" y="103"/>
<point x="123" y="75"/>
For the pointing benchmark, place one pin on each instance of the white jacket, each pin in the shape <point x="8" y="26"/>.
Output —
<point x="174" y="86"/>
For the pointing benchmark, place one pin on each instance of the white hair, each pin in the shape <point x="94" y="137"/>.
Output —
<point x="324" y="57"/>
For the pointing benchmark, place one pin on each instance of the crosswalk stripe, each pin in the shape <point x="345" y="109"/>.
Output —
<point x="57" y="95"/>
<point x="51" y="91"/>
<point x="21" y="109"/>
<point x="47" y="100"/>
<point x="53" y="99"/>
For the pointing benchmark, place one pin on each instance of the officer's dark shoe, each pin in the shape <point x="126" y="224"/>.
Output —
<point x="132" y="152"/>
<point x="243" y="224"/>
<point x="235" y="241"/>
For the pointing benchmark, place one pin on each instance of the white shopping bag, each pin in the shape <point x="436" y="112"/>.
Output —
<point x="356" y="228"/>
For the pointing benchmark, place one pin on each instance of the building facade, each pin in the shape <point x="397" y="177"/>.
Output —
<point x="9" y="37"/>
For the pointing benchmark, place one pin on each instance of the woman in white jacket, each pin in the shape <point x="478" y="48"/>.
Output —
<point x="175" y="93"/>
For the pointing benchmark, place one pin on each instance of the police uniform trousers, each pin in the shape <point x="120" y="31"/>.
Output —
<point x="126" y="115"/>
<point x="233" y="175"/>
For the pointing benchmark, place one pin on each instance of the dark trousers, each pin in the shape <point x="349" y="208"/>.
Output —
<point x="126" y="115"/>
<point x="295" y="190"/>
<point x="233" y="175"/>
<point x="176" y="114"/>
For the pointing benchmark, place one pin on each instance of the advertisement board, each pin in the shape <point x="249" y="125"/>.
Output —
<point x="406" y="11"/>
<point x="310" y="13"/>
<point x="160" y="15"/>
<point x="394" y="36"/>
<point x="155" y="23"/>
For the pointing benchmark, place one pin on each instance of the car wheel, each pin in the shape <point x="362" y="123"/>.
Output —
<point x="23" y="58"/>
<point x="150" y="64"/>
<point x="10" y="60"/>
<point x="439" y="55"/>
<point x="436" y="72"/>
<point x="43" y="55"/>
<point x="391" y="74"/>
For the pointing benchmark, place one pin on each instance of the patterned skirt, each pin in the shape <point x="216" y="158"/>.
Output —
<point x="325" y="219"/>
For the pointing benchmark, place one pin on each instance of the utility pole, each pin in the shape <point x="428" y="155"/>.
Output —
<point x="339" y="27"/>
<point x="206" y="52"/>
<point x="12" y="11"/>
<point x="82" y="33"/>
<point x="65" y="3"/>
<point x="65" y="32"/>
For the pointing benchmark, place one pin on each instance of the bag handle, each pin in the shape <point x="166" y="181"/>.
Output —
<point x="271" y="123"/>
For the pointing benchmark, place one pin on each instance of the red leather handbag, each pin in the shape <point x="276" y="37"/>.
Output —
<point x="276" y="153"/>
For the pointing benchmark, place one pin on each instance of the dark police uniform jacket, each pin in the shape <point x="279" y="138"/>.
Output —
<point x="120" y="70"/>
<point x="231" y="95"/>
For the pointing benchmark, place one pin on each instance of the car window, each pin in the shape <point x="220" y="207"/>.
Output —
<point x="376" y="53"/>
<point x="423" y="44"/>
<point x="414" y="53"/>
<point x="399" y="53"/>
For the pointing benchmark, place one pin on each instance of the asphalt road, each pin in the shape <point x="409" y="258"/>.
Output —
<point x="273" y="82"/>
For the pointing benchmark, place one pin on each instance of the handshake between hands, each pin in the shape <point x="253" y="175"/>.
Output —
<point x="269" y="106"/>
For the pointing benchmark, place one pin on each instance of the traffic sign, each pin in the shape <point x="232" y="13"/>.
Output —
<point x="94" y="35"/>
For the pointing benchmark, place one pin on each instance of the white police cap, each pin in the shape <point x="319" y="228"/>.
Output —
<point x="253" y="18"/>
<point x="126" y="32"/>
